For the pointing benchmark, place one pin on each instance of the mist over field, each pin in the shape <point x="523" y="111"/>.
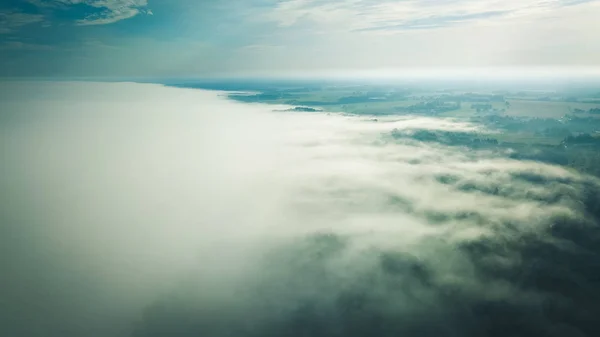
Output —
<point x="141" y="210"/>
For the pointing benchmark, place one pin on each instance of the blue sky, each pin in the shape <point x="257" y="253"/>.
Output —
<point x="160" y="38"/>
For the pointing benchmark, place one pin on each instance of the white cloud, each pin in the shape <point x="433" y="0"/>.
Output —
<point x="115" y="192"/>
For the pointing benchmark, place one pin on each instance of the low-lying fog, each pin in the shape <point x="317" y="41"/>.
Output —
<point x="141" y="210"/>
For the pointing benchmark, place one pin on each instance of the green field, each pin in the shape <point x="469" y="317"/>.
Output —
<point x="527" y="138"/>
<point x="373" y="108"/>
<point x="544" y="109"/>
<point x="340" y="99"/>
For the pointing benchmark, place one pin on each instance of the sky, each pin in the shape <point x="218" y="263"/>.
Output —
<point x="172" y="38"/>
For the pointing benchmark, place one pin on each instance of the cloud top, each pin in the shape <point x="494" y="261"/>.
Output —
<point x="145" y="210"/>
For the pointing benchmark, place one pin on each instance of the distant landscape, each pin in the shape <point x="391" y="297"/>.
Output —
<point x="557" y="126"/>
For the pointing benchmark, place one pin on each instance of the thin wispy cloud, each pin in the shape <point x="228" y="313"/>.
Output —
<point x="438" y="21"/>
<point x="23" y="46"/>
<point x="369" y="15"/>
<point x="12" y="20"/>
<point x="103" y="11"/>
<point x="112" y="11"/>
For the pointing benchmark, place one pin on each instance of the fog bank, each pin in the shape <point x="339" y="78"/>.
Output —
<point x="136" y="209"/>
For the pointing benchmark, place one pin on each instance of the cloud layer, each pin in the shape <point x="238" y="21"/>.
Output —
<point x="138" y="209"/>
